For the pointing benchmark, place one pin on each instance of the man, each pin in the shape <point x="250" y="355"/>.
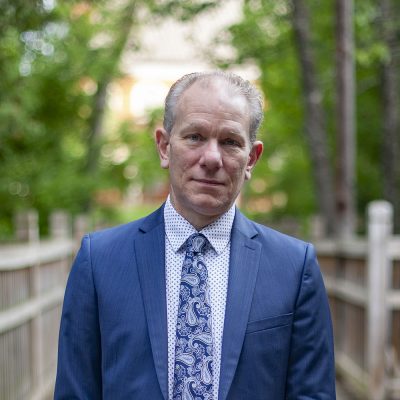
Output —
<point x="195" y="301"/>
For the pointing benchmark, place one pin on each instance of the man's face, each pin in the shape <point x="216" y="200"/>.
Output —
<point x="208" y="152"/>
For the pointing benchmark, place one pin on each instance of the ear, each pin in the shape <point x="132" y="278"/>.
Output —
<point x="255" y="154"/>
<point x="162" y="140"/>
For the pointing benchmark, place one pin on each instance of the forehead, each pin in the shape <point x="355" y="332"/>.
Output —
<point x="213" y="100"/>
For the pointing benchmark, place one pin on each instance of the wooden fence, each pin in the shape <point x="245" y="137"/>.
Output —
<point x="32" y="282"/>
<point x="362" y="277"/>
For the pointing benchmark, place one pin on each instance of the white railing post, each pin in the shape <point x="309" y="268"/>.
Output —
<point x="81" y="226"/>
<point x="380" y="215"/>
<point x="60" y="226"/>
<point x="27" y="226"/>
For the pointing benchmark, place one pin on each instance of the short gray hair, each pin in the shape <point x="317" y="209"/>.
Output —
<point x="241" y="86"/>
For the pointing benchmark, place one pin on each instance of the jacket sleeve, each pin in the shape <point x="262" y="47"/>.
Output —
<point x="311" y="373"/>
<point x="79" y="351"/>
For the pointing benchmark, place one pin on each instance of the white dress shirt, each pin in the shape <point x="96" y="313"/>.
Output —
<point x="177" y="230"/>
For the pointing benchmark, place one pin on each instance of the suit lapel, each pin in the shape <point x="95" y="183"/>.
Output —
<point x="150" y="256"/>
<point x="243" y="268"/>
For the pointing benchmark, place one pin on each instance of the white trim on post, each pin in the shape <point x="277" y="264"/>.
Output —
<point x="380" y="215"/>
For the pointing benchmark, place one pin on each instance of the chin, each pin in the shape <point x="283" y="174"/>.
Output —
<point x="210" y="206"/>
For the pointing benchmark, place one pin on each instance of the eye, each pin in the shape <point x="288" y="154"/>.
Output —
<point x="193" y="137"/>
<point x="231" y="142"/>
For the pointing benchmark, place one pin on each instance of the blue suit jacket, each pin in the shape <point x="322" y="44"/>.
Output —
<point x="277" y="341"/>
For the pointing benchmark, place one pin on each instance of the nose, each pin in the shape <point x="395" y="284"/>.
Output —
<point x="211" y="157"/>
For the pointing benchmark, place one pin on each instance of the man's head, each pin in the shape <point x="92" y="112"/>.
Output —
<point x="235" y="82"/>
<point x="208" y="143"/>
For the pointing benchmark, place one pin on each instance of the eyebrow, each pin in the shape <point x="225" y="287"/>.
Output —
<point x="193" y="125"/>
<point x="201" y="126"/>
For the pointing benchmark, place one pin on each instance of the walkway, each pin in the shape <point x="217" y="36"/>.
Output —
<point x="343" y="394"/>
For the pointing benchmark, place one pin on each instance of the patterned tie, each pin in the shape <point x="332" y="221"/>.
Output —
<point x="193" y="370"/>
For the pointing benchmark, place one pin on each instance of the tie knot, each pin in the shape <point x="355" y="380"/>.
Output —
<point x="197" y="243"/>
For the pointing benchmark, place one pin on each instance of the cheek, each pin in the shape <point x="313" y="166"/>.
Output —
<point x="187" y="160"/>
<point x="236" y="169"/>
<point x="179" y="165"/>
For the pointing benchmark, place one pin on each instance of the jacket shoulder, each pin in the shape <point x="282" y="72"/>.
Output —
<point x="119" y="234"/>
<point x="279" y="237"/>
<point x="270" y="239"/>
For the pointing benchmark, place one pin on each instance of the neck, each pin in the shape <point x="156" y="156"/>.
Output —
<point x="198" y="221"/>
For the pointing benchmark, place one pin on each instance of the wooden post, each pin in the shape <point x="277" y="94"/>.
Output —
<point x="60" y="227"/>
<point x="36" y="334"/>
<point x="36" y="329"/>
<point x="81" y="226"/>
<point x="380" y="215"/>
<point x="27" y="226"/>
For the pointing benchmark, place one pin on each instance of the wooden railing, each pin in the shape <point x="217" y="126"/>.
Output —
<point x="362" y="277"/>
<point x="32" y="281"/>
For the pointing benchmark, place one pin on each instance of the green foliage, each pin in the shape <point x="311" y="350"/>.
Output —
<point x="41" y="110"/>
<point x="265" y="36"/>
<point x="57" y="59"/>
<point x="131" y="156"/>
<point x="183" y="10"/>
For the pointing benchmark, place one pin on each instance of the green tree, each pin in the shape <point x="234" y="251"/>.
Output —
<point x="57" y="61"/>
<point x="390" y="28"/>
<point x="267" y="36"/>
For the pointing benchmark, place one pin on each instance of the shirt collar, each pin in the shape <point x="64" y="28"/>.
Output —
<point x="178" y="229"/>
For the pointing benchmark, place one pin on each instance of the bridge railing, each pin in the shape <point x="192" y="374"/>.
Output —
<point x="32" y="281"/>
<point x="362" y="277"/>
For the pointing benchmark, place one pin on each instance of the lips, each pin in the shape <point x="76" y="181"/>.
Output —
<point x="210" y="182"/>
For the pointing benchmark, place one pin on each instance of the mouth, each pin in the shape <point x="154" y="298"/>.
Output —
<point x="209" y="182"/>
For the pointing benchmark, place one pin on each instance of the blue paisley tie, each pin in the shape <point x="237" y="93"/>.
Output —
<point x="193" y="370"/>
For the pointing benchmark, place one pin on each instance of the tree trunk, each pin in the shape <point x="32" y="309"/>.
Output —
<point x="391" y="106"/>
<point x="346" y="138"/>
<point x="100" y="98"/>
<point x="96" y="127"/>
<point x="315" y="127"/>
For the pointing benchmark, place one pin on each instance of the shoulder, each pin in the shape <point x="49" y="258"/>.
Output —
<point x="117" y="236"/>
<point x="113" y="249"/>
<point x="270" y="239"/>
<point x="280" y="239"/>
